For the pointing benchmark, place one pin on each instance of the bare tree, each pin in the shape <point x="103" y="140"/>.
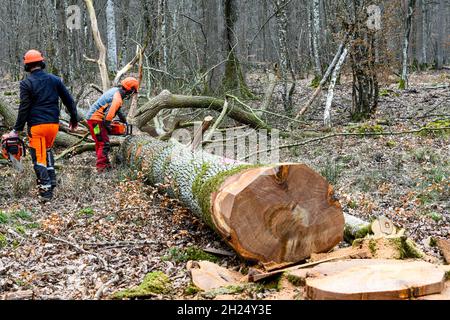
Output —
<point x="282" y="22"/>
<point x="362" y="54"/>
<point x="315" y="36"/>
<point x="111" y="35"/>
<point x="233" y="79"/>
<point x="101" y="61"/>
<point x="406" y="40"/>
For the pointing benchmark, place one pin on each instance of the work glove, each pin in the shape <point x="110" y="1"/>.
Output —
<point x="108" y="126"/>
<point x="73" y="125"/>
<point x="12" y="134"/>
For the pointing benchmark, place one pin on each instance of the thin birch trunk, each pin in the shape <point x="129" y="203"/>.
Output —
<point x="408" y="23"/>
<point x="111" y="35"/>
<point x="315" y="35"/>
<point x="424" y="32"/>
<point x="336" y="71"/>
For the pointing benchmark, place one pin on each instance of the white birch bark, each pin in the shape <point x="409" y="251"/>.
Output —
<point x="111" y="35"/>
<point x="315" y="35"/>
<point x="336" y="71"/>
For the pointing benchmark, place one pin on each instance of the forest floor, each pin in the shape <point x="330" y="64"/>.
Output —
<point x="105" y="232"/>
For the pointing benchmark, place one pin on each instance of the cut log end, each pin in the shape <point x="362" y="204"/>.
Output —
<point x="277" y="214"/>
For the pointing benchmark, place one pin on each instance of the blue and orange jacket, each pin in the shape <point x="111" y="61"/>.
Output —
<point x="39" y="97"/>
<point x="107" y="107"/>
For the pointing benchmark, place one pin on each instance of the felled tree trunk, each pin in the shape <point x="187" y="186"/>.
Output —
<point x="167" y="100"/>
<point x="274" y="214"/>
<point x="10" y="116"/>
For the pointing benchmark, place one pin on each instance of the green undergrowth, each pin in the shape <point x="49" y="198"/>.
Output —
<point x="366" y="128"/>
<point x="437" y="124"/>
<point x="21" y="221"/>
<point x="154" y="283"/>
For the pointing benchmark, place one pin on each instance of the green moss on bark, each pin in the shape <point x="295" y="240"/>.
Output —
<point x="204" y="190"/>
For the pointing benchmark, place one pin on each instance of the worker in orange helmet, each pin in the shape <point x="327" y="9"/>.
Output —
<point x="101" y="114"/>
<point x="39" y="96"/>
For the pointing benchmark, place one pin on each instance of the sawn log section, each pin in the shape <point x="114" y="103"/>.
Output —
<point x="273" y="214"/>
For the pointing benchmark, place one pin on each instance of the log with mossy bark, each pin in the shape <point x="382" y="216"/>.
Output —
<point x="274" y="214"/>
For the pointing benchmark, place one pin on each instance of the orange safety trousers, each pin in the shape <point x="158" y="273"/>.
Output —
<point x="42" y="137"/>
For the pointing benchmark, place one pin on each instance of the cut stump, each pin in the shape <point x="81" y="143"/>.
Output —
<point x="376" y="280"/>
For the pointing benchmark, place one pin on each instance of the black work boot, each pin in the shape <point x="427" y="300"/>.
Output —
<point x="51" y="168"/>
<point x="43" y="182"/>
<point x="45" y="193"/>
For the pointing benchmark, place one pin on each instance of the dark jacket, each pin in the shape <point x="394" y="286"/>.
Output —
<point x="39" y="96"/>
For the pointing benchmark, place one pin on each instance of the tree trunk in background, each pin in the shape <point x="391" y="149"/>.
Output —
<point x="441" y="35"/>
<point x="334" y="76"/>
<point x="282" y="22"/>
<point x="315" y="37"/>
<point x="424" y="32"/>
<point x="125" y="34"/>
<point x="162" y="21"/>
<point x="233" y="80"/>
<point x="362" y="53"/>
<point x="273" y="214"/>
<point x="406" y="40"/>
<point x="111" y="36"/>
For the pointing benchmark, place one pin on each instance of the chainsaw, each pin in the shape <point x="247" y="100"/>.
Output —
<point x="13" y="149"/>
<point x="121" y="129"/>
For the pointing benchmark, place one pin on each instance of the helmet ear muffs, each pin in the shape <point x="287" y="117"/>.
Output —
<point x="43" y="65"/>
<point x="27" y="68"/>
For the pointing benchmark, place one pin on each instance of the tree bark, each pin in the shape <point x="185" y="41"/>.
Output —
<point x="406" y="40"/>
<point x="440" y="44"/>
<point x="285" y="65"/>
<point x="111" y="34"/>
<point x="325" y="77"/>
<point x="335" y="75"/>
<point x="167" y="100"/>
<point x="424" y="32"/>
<point x="315" y="36"/>
<point x="273" y="214"/>
<point x="233" y="80"/>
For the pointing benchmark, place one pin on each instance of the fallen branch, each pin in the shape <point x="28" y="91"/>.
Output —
<point x="78" y="248"/>
<point x="219" y="120"/>
<point x="345" y="134"/>
<point x="104" y="286"/>
<point x="254" y="276"/>
<point x="79" y="149"/>
<point x="198" y="135"/>
<point x="167" y="100"/>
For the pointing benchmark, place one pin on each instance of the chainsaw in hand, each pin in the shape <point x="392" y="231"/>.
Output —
<point x="121" y="129"/>
<point x="13" y="149"/>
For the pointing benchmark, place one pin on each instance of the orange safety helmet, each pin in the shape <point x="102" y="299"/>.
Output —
<point x="32" y="56"/>
<point x="130" y="83"/>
